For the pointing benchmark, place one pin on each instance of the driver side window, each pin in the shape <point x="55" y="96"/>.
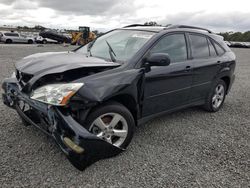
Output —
<point x="174" y="45"/>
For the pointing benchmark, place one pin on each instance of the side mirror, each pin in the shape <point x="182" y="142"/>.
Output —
<point x="158" y="59"/>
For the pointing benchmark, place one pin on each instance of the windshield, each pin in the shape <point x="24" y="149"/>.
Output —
<point x="118" y="44"/>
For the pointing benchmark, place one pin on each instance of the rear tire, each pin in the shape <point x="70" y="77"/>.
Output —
<point x="216" y="96"/>
<point x="117" y="124"/>
<point x="44" y="42"/>
<point x="30" y="41"/>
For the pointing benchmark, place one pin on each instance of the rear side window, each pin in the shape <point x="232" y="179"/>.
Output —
<point x="199" y="46"/>
<point x="211" y="49"/>
<point x="219" y="49"/>
<point x="174" y="45"/>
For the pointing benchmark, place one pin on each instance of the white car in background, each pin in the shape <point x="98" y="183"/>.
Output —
<point x="228" y="43"/>
<point x="40" y="39"/>
<point x="13" y="37"/>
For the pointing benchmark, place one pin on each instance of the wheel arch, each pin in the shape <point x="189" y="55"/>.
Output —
<point x="227" y="80"/>
<point x="8" y="39"/>
<point x="128" y="101"/>
<point x="124" y="99"/>
<point x="225" y="75"/>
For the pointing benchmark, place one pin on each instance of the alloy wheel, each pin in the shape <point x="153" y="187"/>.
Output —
<point x="111" y="127"/>
<point x="218" y="97"/>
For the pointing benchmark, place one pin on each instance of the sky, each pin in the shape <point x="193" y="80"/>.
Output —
<point x="103" y="15"/>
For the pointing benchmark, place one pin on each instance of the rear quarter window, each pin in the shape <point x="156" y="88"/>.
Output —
<point x="211" y="49"/>
<point x="219" y="49"/>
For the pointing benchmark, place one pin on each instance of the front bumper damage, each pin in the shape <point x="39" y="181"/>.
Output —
<point x="80" y="146"/>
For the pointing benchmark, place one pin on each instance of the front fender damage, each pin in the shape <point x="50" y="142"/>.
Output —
<point x="60" y="125"/>
<point x="94" y="148"/>
<point x="102" y="88"/>
<point x="99" y="90"/>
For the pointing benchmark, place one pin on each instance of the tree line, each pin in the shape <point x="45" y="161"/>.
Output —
<point x="237" y="36"/>
<point x="228" y="36"/>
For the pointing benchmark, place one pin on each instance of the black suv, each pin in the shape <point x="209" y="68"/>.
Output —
<point x="90" y="99"/>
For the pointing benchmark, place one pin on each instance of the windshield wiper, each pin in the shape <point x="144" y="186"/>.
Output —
<point x="111" y="52"/>
<point x="89" y="47"/>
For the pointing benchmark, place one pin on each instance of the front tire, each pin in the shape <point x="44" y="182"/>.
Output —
<point x="8" y="41"/>
<point x="216" y="96"/>
<point x="113" y="123"/>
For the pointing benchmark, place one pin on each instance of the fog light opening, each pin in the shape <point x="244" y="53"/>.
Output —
<point x="76" y="148"/>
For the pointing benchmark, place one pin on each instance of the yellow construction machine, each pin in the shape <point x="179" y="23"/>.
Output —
<point x="83" y="36"/>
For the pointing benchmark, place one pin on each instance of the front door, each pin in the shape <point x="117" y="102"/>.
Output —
<point x="168" y="87"/>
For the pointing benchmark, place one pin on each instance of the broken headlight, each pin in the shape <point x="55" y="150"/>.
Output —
<point x="56" y="94"/>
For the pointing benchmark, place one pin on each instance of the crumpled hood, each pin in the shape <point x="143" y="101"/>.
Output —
<point x="56" y="62"/>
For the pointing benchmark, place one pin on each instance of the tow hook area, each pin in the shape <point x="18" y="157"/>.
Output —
<point x="76" y="148"/>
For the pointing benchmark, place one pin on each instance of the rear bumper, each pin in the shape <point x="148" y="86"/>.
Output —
<point x="57" y="123"/>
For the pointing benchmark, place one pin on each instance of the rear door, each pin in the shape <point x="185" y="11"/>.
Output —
<point x="206" y="64"/>
<point x="168" y="87"/>
<point x="23" y="38"/>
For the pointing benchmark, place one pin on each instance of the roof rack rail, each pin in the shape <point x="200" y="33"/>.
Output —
<point x="188" y="27"/>
<point x="134" y="25"/>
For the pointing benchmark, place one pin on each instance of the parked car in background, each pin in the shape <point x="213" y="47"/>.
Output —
<point x="41" y="40"/>
<point x="54" y="35"/>
<point x="13" y="37"/>
<point x="228" y="43"/>
<point x="239" y="44"/>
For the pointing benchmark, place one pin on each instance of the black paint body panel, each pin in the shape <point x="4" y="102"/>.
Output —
<point x="146" y="91"/>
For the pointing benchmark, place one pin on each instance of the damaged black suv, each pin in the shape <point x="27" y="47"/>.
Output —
<point x="90" y="99"/>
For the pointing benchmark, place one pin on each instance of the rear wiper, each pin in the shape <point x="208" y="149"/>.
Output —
<point x="111" y="52"/>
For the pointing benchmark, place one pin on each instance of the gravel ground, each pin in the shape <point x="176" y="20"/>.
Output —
<point x="190" y="148"/>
